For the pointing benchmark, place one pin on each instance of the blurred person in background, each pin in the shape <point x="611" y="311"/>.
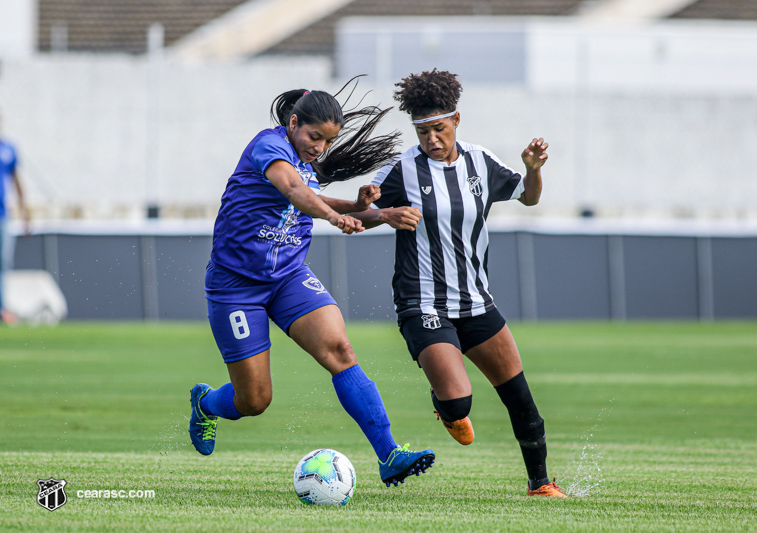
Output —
<point x="8" y="176"/>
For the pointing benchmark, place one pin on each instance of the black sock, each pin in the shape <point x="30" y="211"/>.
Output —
<point x="452" y="410"/>
<point x="534" y="484"/>
<point x="528" y="427"/>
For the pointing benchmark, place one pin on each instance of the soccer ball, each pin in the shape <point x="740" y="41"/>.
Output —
<point x="324" y="477"/>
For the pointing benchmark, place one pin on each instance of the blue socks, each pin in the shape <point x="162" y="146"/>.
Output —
<point x="220" y="402"/>
<point x="361" y="399"/>
<point x="356" y="392"/>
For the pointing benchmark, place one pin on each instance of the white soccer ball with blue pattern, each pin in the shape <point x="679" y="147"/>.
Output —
<point x="324" y="477"/>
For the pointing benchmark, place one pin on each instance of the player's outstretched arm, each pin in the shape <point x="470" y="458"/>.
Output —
<point x="286" y="179"/>
<point x="406" y="218"/>
<point x="365" y="197"/>
<point x="534" y="157"/>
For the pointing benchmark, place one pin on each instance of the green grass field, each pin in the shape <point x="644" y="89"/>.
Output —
<point x="651" y="427"/>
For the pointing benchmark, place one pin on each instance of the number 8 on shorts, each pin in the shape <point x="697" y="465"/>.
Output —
<point x="239" y="325"/>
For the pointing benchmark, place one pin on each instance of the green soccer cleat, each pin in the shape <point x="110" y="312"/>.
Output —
<point x="402" y="463"/>
<point x="202" y="428"/>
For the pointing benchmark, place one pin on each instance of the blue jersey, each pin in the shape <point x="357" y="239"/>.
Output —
<point x="258" y="233"/>
<point x="8" y="162"/>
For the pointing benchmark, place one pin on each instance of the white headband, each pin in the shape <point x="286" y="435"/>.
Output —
<point x="435" y="117"/>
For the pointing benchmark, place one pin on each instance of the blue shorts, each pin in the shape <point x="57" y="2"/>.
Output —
<point x="240" y="320"/>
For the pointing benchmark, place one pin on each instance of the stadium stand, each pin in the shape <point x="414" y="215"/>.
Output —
<point x="631" y="11"/>
<point x="319" y="37"/>
<point x="719" y="9"/>
<point x="107" y="26"/>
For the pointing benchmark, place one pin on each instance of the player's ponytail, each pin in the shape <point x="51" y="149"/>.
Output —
<point x="355" y="152"/>
<point x="311" y="107"/>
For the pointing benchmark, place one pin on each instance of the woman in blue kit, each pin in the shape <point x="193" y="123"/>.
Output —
<point x="257" y="268"/>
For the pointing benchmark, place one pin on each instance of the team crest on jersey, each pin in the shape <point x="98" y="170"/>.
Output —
<point x="474" y="185"/>
<point x="431" y="322"/>
<point x="426" y="190"/>
<point x="51" y="495"/>
<point x="306" y="175"/>
<point x="314" y="285"/>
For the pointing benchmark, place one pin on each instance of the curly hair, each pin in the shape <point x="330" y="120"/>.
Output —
<point x="428" y="92"/>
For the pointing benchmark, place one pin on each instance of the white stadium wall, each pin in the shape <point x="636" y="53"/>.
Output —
<point x="107" y="133"/>
<point x="557" y="53"/>
<point x="101" y="136"/>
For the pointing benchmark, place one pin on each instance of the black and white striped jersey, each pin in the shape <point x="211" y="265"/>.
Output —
<point x="441" y="268"/>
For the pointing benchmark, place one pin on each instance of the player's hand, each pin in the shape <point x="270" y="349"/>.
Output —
<point x="402" y="217"/>
<point x="367" y="195"/>
<point x="347" y="224"/>
<point x="535" y="155"/>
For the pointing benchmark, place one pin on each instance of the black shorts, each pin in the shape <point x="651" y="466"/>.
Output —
<point x="421" y="331"/>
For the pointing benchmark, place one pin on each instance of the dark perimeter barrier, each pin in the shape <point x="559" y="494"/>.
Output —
<point x="574" y="270"/>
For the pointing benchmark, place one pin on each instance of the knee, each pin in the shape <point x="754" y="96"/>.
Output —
<point x="341" y="354"/>
<point x="252" y="404"/>
<point x="455" y="409"/>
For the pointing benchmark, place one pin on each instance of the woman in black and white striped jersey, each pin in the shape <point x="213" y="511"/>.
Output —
<point x="446" y="188"/>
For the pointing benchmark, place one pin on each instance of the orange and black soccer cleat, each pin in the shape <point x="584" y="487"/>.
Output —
<point x="461" y="430"/>
<point x="549" y="490"/>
